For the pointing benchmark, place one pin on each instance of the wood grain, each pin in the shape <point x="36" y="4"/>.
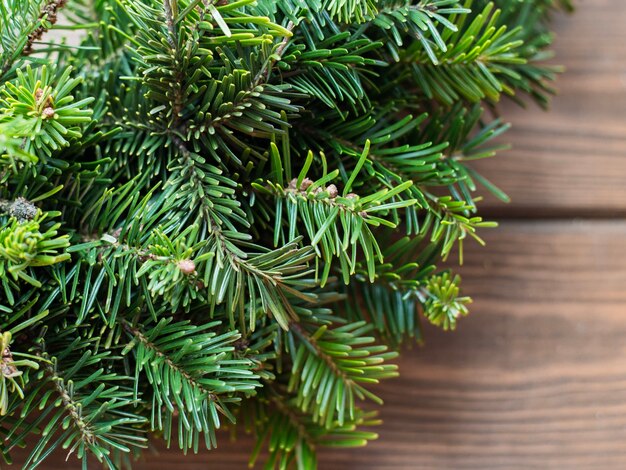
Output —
<point x="571" y="160"/>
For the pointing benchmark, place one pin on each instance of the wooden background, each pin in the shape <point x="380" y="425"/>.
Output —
<point x="536" y="376"/>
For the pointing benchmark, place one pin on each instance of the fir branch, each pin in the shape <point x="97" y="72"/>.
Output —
<point x="141" y="338"/>
<point x="192" y="375"/>
<point x="98" y="418"/>
<point x="172" y="37"/>
<point x="86" y="431"/>
<point x="348" y="360"/>
<point x="263" y="75"/>
<point x="293" y="437"/>
<point x="47" y="18"/>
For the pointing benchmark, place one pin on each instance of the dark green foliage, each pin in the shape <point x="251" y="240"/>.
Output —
<point x="233" y="212"/>
<point x="192" y="372"/>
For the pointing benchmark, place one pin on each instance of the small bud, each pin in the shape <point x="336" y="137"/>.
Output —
<point x="48" y="112"/>
<point x="241" y="344"/>
<point x="293" y="183"/>
<point x="187" y="266"/>
<point x="306" y="182"/>
<point x="351" y="196"/>
<point x="22" y="209"/>
<point x="332" y="191"/>
<point x="116" y="233"/>
<point x="38" y="94"/>
<point x="8" y="371"/>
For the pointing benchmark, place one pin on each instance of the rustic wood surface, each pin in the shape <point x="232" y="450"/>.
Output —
<point x="570" y="161"/>
<point x="536" y="376"/>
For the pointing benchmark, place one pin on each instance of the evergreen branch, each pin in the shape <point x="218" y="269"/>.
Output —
<point x="430" y="151"/>
<point x="342" y="359"/>
<point x="350" y="10"/>
<point x="293" y="437"/>
<point x="41" y="100"/>
<point x="339" y="72"/>
<point x="193" y="376"/>
<point x="47" y="19"/>
<point x="335" y="223"/>
<point x="16" y="29"/>
<point x="95" y="417"/>
<point x="399" y="19"/>
<point x="213" y="264"/>
<point x="403" y="286"/>
<point x="266" y="280"/>
<point x="27" y="244"/>
<point x="475" y="59"/>
<point x="532" y="21"/>
<point x="262" y="75"/>
<point x="442" y="303"/>
<point x="453" y="224"/>
<point x="201" y="190"/>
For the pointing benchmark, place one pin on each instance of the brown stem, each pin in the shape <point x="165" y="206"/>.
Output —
<point x="49" y="13"/>
<point x="267" y="67"/>
<point x="136" y="333"/>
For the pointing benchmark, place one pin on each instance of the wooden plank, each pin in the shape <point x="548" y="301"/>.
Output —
<point x="534" y="378"/>
<point x="572" y="160"/>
